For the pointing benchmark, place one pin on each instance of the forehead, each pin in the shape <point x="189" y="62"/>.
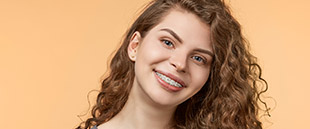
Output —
<point x="188" y="26"/>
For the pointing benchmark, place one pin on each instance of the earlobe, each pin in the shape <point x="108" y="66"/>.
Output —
<point x="133" y="46"/>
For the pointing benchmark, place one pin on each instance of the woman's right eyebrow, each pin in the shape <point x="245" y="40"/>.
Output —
<point x="173" y="34"/>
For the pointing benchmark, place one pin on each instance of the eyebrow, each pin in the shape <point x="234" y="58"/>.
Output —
<point x="181" y="41"/>
<point x="173" y="34"/>
<point x="205" y="51"/>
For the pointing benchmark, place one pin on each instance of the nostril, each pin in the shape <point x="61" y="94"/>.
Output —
<point x="178" y="62"/>
<point x="178" y="68"/>
<point x="173" y="65"/>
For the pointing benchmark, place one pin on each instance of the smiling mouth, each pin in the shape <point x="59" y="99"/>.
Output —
<point x="168" y="80"/>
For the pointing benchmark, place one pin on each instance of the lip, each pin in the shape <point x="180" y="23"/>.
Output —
<point x="176" y="79"/>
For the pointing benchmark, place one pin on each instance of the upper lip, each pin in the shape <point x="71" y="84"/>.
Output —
<point x="175" y="78"/>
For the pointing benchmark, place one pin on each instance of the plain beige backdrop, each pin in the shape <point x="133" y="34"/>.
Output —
<point x="53" y="52"/>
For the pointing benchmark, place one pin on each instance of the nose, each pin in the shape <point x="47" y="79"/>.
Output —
<point x="179" y="62"/>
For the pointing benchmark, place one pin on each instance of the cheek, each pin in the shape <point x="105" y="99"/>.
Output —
<point x="151" y="52"/>
<point x="200" y="78"/>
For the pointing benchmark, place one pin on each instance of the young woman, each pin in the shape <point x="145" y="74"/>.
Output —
<point x="183" y="64"/>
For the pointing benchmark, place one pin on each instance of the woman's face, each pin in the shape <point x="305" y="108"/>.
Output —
<point x="172" y="62"/>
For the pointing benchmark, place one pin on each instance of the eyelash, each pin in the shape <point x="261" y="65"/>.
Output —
<point x="166" y="42"/>
<point x="199" y="59"/>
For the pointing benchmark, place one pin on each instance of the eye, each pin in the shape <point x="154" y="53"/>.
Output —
<point x="199" y="59"/>
<point x="168" y="43"/>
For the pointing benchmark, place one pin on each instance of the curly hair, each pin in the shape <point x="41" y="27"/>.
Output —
<point x="229" y="99"/>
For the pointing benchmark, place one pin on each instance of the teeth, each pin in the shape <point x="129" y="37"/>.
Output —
<point x="168" y="80"/>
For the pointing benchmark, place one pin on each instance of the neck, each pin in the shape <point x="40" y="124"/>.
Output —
<point x="140" y="112"/>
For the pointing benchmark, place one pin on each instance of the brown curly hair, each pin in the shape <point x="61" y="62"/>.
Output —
<point x="228" y="100"/>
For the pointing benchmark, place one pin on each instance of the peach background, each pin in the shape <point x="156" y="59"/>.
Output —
<point x="53" y="52"/>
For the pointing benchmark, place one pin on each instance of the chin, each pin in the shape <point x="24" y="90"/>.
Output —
<point x="162" y="98"/>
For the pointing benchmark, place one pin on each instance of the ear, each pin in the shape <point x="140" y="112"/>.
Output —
<point x="133" y="45"/>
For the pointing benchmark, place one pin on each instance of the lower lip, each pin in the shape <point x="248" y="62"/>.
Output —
<point x="167" y="86"/>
